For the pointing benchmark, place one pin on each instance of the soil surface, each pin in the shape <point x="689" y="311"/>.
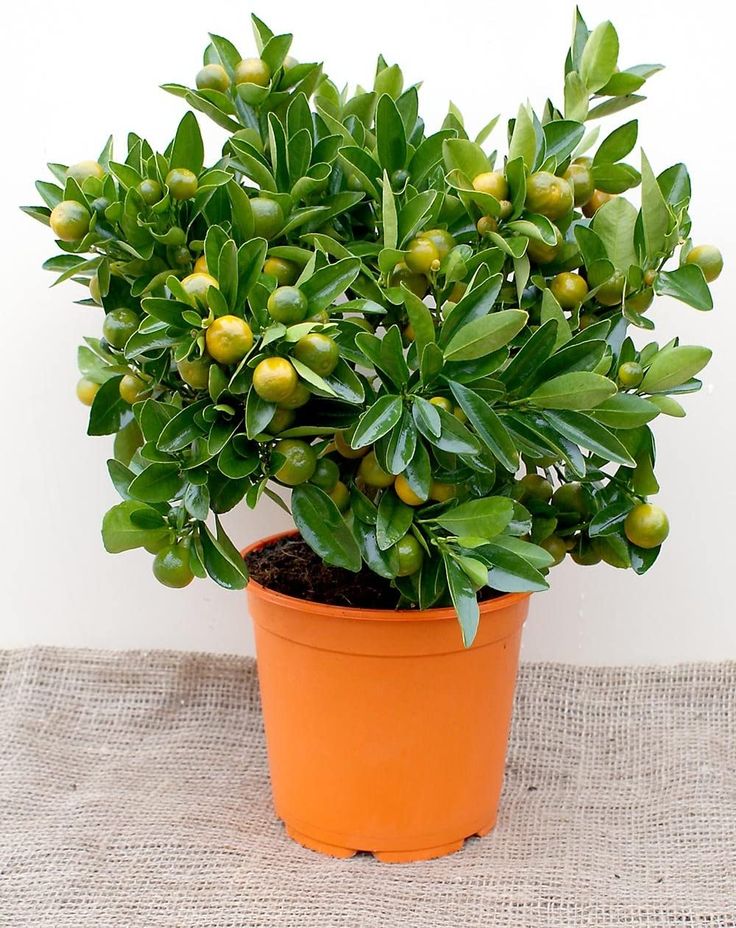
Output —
<point x="289" y="566"/>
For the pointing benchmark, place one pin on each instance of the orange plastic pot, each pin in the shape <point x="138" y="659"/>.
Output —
<point x="384" y="733"/>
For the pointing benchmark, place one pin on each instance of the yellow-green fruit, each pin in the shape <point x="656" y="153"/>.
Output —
<point x="410" y="556"/>
<point x="486" y="224"/>
<point x="171" y="566"/>
<point x="150" y="190"/>
<point x="570" y="502"/>
<point x="555" y="546"/>
<point x="416" y="283"/>
<point x="630" y="374"/>
<point x="281" y="420"/>
<point x="298" y="397"/>
<point x="533" y="488"/>
<point x="405" y="492"/>
<point x="228" y="339"/>
<point x="213" y="77"/>
<point x="274" y="379"/>
<point x="641" y="301"/>
<point x="132" y="388"/>
<point x="459" y="413"/>
<point x="442" y="402"/>
<point x="287" y="305"/>
<point x="344" y="449"/>
<point x="541" y="252"/>
<point x="69" y="221"/>
<point x="299" y="464"/>
<point x="507" y="208"/>
<point x="372" y="472"/>
<point x="119" y="325"/>
<point x="318" y="352"/>
<point x="326" y="474"/>
<point x="94" y="289"/>
<point x="548" y="195"/>
<point x="195" y="372"/>
<point x="200" y="265"/>
<point x="611" y="293"/>
<point x="268" y="217"/>
<point x="441" y="239"/>
<point x="196" y="286"/>
<point x="84" y="169"/>
<point x="493" y="183"/>
<point x="87" y="391"/>
<point x="340" y="496"/>
<point x="580" y="178"/>
<point x="708" y="258"/>
<point x="569" y="289"/>
<point x="441" y="492"/>
<point x="421" y="255"/>
<point x="182" y="183"/>
<point x="252" y="71"/>
<point x="285" y="272"/>
<point x="647" y="525"/>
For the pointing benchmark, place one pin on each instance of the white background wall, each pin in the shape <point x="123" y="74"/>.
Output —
<point x="73" y="72"/>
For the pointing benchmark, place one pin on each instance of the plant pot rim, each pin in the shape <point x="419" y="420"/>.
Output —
<point x="362" y="613"/>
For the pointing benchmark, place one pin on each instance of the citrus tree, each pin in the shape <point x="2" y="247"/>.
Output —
<point x="428" y="343"/>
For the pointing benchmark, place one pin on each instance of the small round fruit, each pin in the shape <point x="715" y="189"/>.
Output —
<point x="287" y="305"/>
<point x="84" y="169"/>
<point x="570" y="502"/>
<point x="649" y="277"/>
<point x="611" y="292"/>
<point x="442" y="402"/>
<point x="69" y="221"/>
<point x="569" y="289"/>
<point x="548" y="195"/>
<point x="493" y="183"/>
<point x="196" y="286"/>
<point x="195" y="372"/>
<point x="212" y="77"/>
<point x="410" y="556"/>
<point x="708" y="258"/>
<point x="486" y="224"/>
<point x="94" y="289"/>
<point x="326" y="474"/>
<point x="580" y="178"/>
<point x="647" y="526"/>
<point x="598" y="198"/>
<point x="405" y="492"/>
<point x="252" y="71"/>
<point x="533" y="488"/>
<point x="150" y="190"/>
<point x="342" y="444"/>
<point x="641" y="301"/>
<point x="630" y="374"/>
<point x="555" y="546"/>
<point x="299" y="464"/>
<point x="416" y="283"/>
<point x="176" y="236"/>
<point x="340" y="496"/>
<point x="587" y="319"/>
<point x="200" y="265"/>
<point x="281" y="420"/>
<point x="268" y="217"/>
<point x="182" y="183"/>
<point x="298" y="397"/>
<point x="285" y="272"/>
<point x="274" y="379"/>
<point x="441" y="492"/>
<point x="541" y="252"/>
<point x="372" y="472"/>
<point x="421" y="255"/>
<point x="507" y="208"/>
<point x="87" y="391"/>
<point x="228" y="339"/>
<point x="171" y="566"/>
<point x="119" y="325"/>
<point x="459" y="413"/>
<point x="399" y="179"/>
<point x="441" y="239"/>
<point x="132" y="388"/>
<point x="318" y="352"/>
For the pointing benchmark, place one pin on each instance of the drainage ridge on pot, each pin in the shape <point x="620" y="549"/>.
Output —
<point x="384" y="733"/>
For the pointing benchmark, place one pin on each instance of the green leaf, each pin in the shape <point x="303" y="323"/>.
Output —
<point x="608" y="519"/>
<point x="552" y="311"/>
<point x="376" y="421"/>
<point x="477" y="302"/>
<point x="576" y="97"/>
<point x="109" y="411"/>
<point x="421" y="320"/>
<point x="394" y="520"/>
<point x="625" y="411"/>
<point x="463" y="599"/>
<point x="687" y="283"/>
<point x="589" y="434"/>
<point x="482" y="336"/>
<point x="487" y="425"/>
<point x="222" y="561"/>
<point x="390" y="135"/>
<point x="614" y="224"/>
<point x="120" y="533"/>
<point x="465" y="156"/>
<point x="182" y="429"/>
<point x="523" y="142"/>
<point x="562" y="137"/>
<point x="618" y="144"/>
<point x="157" y="483"/>
<point x="599" y="58"/>
<point x="323" y="528"/>
<point x="673" y="366"/>
<point x="655" y="214"/>
<point x="188" y="148"/>
<point x="532" y="554"/>
<point x="511" y="573"/>
<point x="329" y="283"/>
<point x="578" y="390"/>
<point x="390" y="220"/>
<point x="480" y="518"/>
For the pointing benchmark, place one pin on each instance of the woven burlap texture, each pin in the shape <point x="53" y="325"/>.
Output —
<point x="134" y="793"/>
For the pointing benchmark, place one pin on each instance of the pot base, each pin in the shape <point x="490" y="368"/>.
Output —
<point x="384" y="856"/>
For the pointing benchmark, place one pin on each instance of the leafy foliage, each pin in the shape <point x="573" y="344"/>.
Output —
<point x="448" y="329"/>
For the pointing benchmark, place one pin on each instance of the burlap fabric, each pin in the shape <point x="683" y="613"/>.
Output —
<point x="134" y="793"/>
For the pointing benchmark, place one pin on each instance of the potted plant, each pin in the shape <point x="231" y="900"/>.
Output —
<point x="440" y="352"/>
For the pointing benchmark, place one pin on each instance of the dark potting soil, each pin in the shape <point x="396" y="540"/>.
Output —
<point x="289" y="566"/>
